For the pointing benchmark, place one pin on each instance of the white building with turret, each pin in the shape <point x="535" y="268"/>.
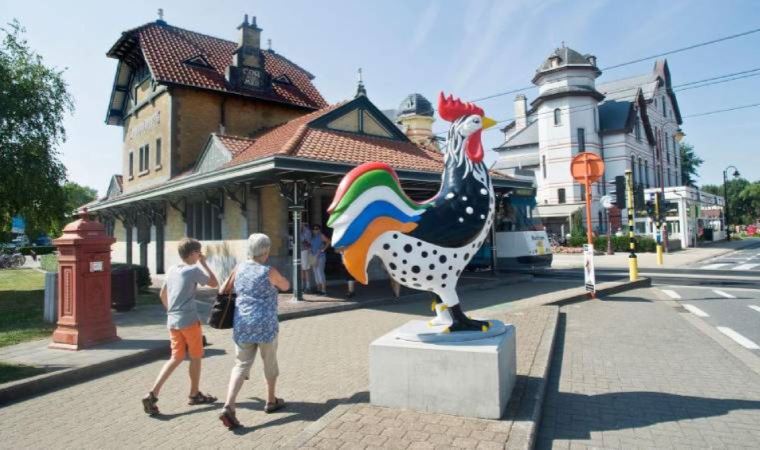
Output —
<point x="631" y="123"/>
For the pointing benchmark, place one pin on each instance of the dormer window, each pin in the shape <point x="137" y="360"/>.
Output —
<point x="554" y="61"/>
<point x="283" y="79"/>
<point x="591" y="60"/>
<point x="198" y="61"/>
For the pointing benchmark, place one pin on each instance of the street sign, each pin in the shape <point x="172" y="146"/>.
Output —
<point x="588" y="268"/>
<point x="587" y="168"/>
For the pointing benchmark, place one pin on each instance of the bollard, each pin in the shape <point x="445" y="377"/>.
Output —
<point x="50" y="312"/>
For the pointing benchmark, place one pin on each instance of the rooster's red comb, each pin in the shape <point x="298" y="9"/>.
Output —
<point x="451" y="109"/>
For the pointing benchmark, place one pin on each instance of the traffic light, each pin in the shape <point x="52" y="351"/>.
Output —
<point x="619" y="194"/>
<point x="650" y="209"/>
<point x="638" y="195"/>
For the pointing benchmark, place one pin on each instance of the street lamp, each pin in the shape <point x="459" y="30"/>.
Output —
<point x="725" y="197"/>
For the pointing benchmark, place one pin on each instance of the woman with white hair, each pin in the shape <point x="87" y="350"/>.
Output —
<point x="255" y="325"/>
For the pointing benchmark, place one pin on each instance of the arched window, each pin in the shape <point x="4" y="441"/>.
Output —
<point x="557" y="117"/>
<point x="646" y="172"/>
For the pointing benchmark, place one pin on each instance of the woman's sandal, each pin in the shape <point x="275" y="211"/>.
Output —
<point x="229" y="419"/>
<point x="272" y="407"/>
<point x="149" y="404"/>
<point x="201" y="399"/>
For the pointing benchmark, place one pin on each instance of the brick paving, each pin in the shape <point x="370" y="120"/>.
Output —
<point x="630" y="373"/>
<point x="367" y="426"/>
<point x="323" y="363"/>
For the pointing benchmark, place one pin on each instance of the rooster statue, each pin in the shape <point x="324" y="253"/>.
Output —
<point x="426" y="245"/>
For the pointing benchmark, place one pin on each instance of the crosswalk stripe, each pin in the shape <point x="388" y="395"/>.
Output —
<point x="723" y="294"/>
<point x="745" y="266"/>
<point x="714" y="266"/>
<point x="672" y="294"/>
<point x="756" y="308"/>
<point x="738" y="338"/>
<point x="696" y="311"/>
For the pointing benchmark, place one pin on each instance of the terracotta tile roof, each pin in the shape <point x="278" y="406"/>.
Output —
<point x="165" y="48"/>
<point x="235" y="144"/>
<point x="297" y="139"/>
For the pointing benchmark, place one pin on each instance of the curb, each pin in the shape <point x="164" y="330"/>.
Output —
<point x="522" y="434"/>
<point x="53" y="381"/>
<point x="615" y="287"/>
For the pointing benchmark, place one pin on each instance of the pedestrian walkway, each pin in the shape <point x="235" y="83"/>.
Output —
<point x="143" y="335"/>
<point x="630" y="372"/>
<point x="677" y="259"/>
<point x="323" y="363"/>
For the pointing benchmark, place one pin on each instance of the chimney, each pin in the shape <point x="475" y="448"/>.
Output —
<point x="248" y="52"/>
<point x="246" y="71"/>
<point x="521" y="112"/>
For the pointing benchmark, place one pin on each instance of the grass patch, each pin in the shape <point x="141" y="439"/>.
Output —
<point x="12" y="372"/>
<point x="22" y="297"/>
<point x="49" y="263"/>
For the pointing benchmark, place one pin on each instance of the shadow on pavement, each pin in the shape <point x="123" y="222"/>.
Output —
<point x="620" y="298"/>
<point x="569" y="415"/>
<point x="296" y="411"/>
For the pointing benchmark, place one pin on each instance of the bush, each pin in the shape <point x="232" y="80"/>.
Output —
<point x="49" y="263"/>
<point x="143" y="274"/>
<point x="41" y="250"/>
<point x="644" y="244"/>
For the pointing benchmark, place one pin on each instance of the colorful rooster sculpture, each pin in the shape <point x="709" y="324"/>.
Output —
<point x="424" y="245"/>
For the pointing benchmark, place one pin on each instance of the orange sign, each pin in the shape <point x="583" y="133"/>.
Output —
<point x="586" y="167"/>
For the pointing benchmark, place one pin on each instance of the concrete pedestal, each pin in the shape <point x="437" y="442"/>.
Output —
<point x="473" y="378"/>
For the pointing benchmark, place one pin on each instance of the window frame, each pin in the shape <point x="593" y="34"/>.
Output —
<point x="557" y="117"/>
<point x="561" y="196"/>
<point x="581" y="135"/>
<point x="158" y="153"/>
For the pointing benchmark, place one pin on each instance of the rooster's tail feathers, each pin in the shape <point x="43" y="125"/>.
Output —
<point x="369" y="202"/>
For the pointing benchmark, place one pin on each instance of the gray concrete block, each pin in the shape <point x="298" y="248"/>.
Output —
<point x="50" y="311"/>
<point x="473" y="378"/>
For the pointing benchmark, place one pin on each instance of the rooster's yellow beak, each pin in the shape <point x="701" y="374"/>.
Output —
<point x="488" y="122"/>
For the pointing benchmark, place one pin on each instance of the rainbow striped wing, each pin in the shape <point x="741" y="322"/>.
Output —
<point x="369" y="202"/>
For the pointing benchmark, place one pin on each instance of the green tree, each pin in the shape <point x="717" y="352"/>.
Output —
<point x="690" y="163"/>
<point x="749" y="197"/>
<point x="34" y="101"/>
<point x="77" y="195"/>
<point x="739" y="211"/>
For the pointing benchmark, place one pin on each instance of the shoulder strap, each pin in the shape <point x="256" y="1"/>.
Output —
<point x="229" y="284"/>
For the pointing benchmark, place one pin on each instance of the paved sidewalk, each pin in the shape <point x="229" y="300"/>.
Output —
<point x="675" y="259"/>
<point x="323" y="363"/>
<point x="144" y="337"/>
<point x="631" y="373"/>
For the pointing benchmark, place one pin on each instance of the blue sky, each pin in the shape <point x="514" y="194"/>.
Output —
<point x="471" y="49"/>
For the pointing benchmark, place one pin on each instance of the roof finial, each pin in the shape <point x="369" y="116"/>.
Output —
<point x="360" y="85"/>
<point x="563" y="44"/>
<point x="160" y="15"/>
<point x="253" y="22"/>
<point x="269" y="45"/>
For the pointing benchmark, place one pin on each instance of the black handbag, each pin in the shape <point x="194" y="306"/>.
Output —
<point x="223" y="309"/>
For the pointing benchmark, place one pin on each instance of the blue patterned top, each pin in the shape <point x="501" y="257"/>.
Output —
<point x="255" y="319"/>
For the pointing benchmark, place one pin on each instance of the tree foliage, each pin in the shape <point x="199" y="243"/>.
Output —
<point x="743" y="199"/>
<point x="34" y="100"/>
<point x="690" y="163"/>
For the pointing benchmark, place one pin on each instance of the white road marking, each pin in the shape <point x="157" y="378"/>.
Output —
<point x="738" y="338"/>
<point x="723" y="294"/>
<point x="756" y="308"/>
<point x="745" y="267"/>
<point x="713" y="266"/>
<point x="696" y="311"/>
<point x="672" y="294"/>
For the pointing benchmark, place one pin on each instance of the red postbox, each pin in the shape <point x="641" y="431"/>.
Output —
<point x="84" y="286"/>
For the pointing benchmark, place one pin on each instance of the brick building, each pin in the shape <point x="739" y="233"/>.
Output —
<point x="216" y="131"/>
